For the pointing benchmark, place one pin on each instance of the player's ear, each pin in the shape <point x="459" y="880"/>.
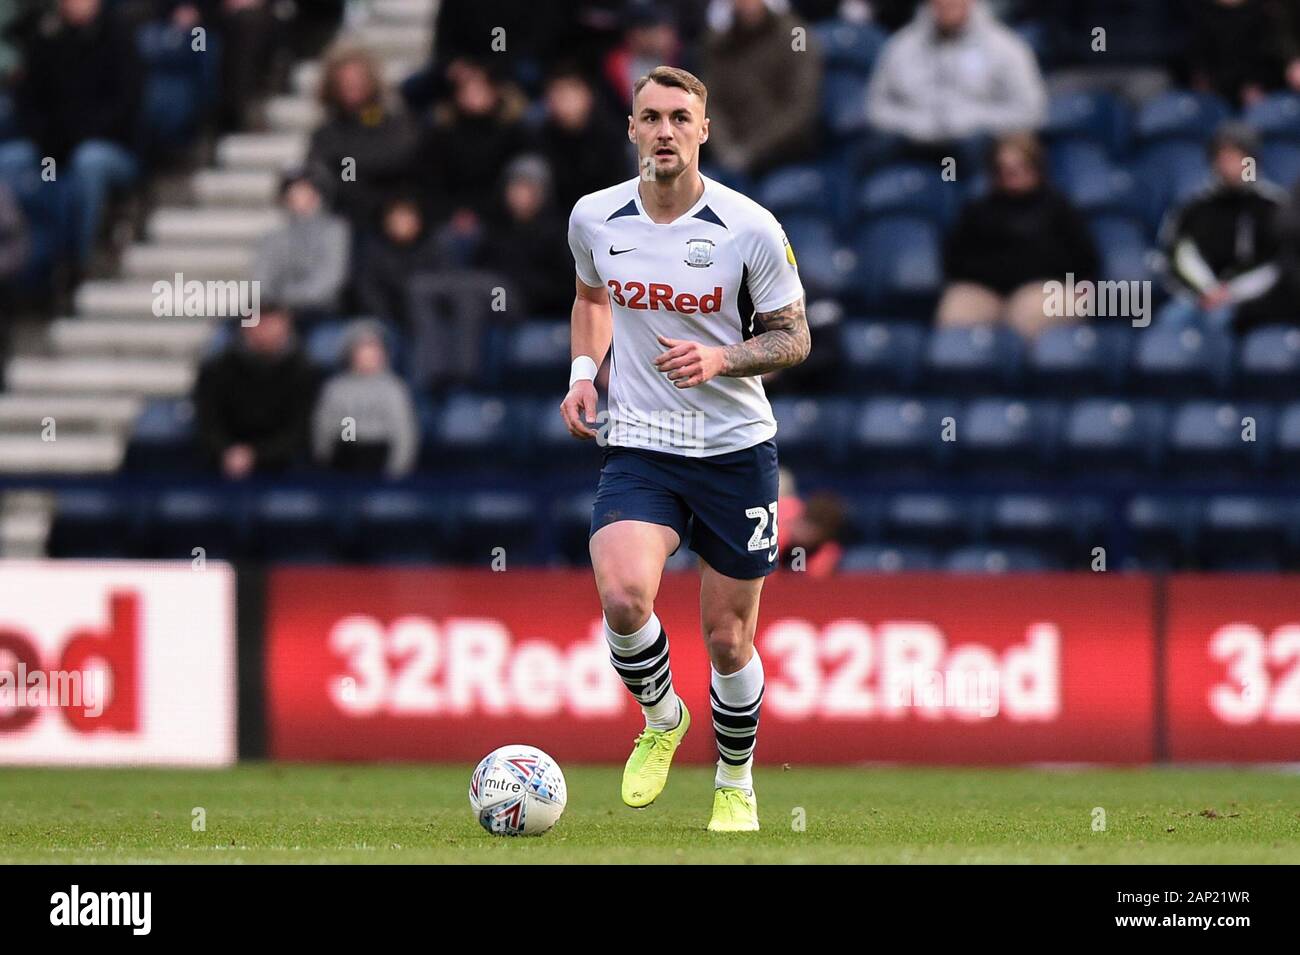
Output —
<point x="704" y="131"/>
<point x="631" y="130"/>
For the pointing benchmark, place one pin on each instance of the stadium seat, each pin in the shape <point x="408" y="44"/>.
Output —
<point x="486" y="521"/>
<point x="536" y="357"/>
<point x="1287" y="445"/>
<point x="849" y="47"/>
<point x="1162" y="530"/>
<point x="1269" y="362"/>
<point x="1112" y="436"/>
<point x="909" y="189"/>
<point x="1181" y="362"/>
<point x="1275" y="117"/>
<point x="1279" y="162"/>
<point x="898" y="265"/>
<point x="1179" y="114"/>
<point x="554" y="449"/>
<point x="474" y="430"/>
<point x="400" y="527"/>
<point x="1242" y="532"/>
<point x="824" y="267"/>
<point x="877" y="356"/>
<point x="1206" y="439"/>
<point x="1105" y="189"/>
<point x="295" y="526"/>
<point x="811" y="431"/>
<point x="884" y="559"/>
<point x="935" y="520"/>
<point x="1125" y="254"/>
<point x="1169" y="174"/>
<point x="1071" y="359"/>
<point x="800" y="188"/>
<point x="162" y="438"/>
<point x="844" y="103"/>
<point x="1007" y="435"/>
<point x="899" y="434"/>
<point x="93" y="523"/>
<point x="979" y="559"/>
<point x="972" y="359"/>
<point x="1066" y="528"/>
<point x="181" y="520"/>
<point x="1088" y="115"/>
<point x="570" y="524"/>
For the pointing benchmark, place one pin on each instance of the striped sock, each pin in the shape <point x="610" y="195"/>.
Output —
<point x="641" y="659"/>
<point x="736" y="699"/>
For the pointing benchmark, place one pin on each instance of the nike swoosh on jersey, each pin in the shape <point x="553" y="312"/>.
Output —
<point x="620" y="251"/>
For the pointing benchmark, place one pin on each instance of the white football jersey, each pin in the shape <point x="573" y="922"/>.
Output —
<point x="701" y="278"/>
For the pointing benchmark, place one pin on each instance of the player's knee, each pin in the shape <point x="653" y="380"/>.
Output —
<point x="728" y="646"/>
<point x="627" y="606"/>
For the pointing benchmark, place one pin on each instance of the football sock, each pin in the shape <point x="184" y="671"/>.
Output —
<point x="641" y="659"/>
<point x="736" y="699"/>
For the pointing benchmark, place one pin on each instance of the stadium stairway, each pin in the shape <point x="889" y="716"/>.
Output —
<point x="73" y="393"/>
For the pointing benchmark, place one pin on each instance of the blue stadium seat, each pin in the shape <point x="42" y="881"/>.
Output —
<point x="326" y="342"/>
<point x="1125" y="254"/>
<point x="1113" y="436"/>
<point x="295" y="525"/>
<point x="1243" y="532"/>
<point x="1162" y="530"/>
<point x="1070" y="158"/>
<point x="1181" y="361"/>
<point x="979" y="559"/>
<point x="844" y="103"/>
<point x="1279" y="162"/>
<point x="972" y="359"/>
<point x="800" y="188"/>
<point x="1170" y="173"/>
<point x="936" y="520"/>
<point x="536" y="357"/>
<point x="1179" y="114"/>
<point x="909" y="189"/>
<point x="880" y="355"/>
<point x="899" y="264"/>
<point x="849" y="47"/>
<point x="811" y="431"/>
<point x="1069" y="359"/>
<point x="900" y="434"/>
<point x="162" y="438"/>
<point x="400" y="527"/>
<point x="1007" y="435"/>
<point x="824" y="267"/>
<point x="554" y="449"/>
<point x="487" y="520"/>
<point x="1067" y="528"/>
<point x="1287" y="448"/>
<point x="93" y="523"/>
<point x="1276" y="116"/>
<point x="1105" y="189"/>
<point x="473" y="430"/>
<point x="1268" y="364"/>
<point x="1088" y="115"/>
<point x="885" y="559"/>
<point x="570" y="523"/>
<point x="1206" y="439"/>
<point x="181" y="520"/>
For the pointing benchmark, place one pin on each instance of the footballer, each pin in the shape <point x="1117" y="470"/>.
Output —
<point x="694" y="292"/>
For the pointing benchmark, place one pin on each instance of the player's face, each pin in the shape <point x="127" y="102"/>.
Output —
<point x="667" y="125"/>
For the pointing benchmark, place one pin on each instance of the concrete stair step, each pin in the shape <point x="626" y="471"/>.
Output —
<point x="169" y="337"/>
<point x="156" y="261"/>
<point x="73" y="454"/>
<point x="185" y="226"/>
<point x="27" y="413"/>
<point x="235" y="187"/>
<point x="160" y="377"/>
<point x="265" y="151"/>
<point x="298" y="114"/>
<point x="395" y="40"/>
<point x="414" y="12"/>
<point x="306" y="75"/>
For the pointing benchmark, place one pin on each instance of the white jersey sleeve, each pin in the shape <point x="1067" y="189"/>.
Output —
<point x="580" y="247"/>
<point x="773" y="272"/>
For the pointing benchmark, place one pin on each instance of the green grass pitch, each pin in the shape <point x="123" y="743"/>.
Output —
<point x="404" y="813"/>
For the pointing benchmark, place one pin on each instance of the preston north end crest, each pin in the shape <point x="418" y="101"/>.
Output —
<point x="699" y="253"/>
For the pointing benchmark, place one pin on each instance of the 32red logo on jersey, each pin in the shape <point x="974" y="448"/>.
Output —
<point x="659" y="295"/>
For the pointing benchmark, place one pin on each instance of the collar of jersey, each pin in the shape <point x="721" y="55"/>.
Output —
<point x="699" y="204"/>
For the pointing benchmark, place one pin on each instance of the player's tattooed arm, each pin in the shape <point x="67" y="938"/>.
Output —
<point x="784" y="342"/>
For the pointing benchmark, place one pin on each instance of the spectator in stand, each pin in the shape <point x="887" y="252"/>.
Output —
<point x="585" y="150"/>
<point x="465" y="148"/>
<point x="401" y="247"/>
<point x="365" y="420"/>
<point x="650" y="39"/>
<point x="751" y="70"/>
<point x="810" y="529"/>
<point x="1221" y="247"/>
<point x="304" y="263"/>
<point x="950" y="79"/>
<point x="253" y="401"/>
<point x="527" y="245"/>
<point x="1288" y="234"/>
<point x="248" y="32"/>
<point x="1239" y="49"/>
<point x="365" y="151"/>
<point x="15" y="237"/>
<point x="1008" y="243"/>
<point x="78" y="98"/>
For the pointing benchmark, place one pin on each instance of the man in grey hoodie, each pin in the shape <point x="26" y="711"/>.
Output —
<point x="954" y="75"/>
<point x="304" y="263"/>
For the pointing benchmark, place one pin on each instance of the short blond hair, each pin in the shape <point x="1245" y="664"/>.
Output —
<point x="672" y="76"/>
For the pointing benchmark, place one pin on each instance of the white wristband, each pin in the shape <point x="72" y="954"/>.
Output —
<point x="583" y="368"/>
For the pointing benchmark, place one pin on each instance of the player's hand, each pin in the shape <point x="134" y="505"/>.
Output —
<point x="688" y="364"/>
<point x="579" y="407"/>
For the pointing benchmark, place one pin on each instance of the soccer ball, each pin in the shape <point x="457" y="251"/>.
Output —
<point x="517" y="791"/>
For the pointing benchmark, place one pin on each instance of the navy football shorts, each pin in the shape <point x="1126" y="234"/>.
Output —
<point x="723" y="505"/>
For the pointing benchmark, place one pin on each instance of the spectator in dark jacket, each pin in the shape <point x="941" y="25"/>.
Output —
<point x="585" y="151"/>
<point x="752" y="71"/>
<point x="1007" y="244"/>
<point x="78" y="101"/>
<point x="248" y="32"/>
<point x="1221" y="248"/>
<point x="401" y="247"/>
<point x="365" y="151"/>
<point x="253" y="401"/>
<point x="304" y="263"/>
<point x="1239" y="48"/>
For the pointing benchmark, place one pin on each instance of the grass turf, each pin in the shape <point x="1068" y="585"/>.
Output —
<point x="369" y="814"/>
